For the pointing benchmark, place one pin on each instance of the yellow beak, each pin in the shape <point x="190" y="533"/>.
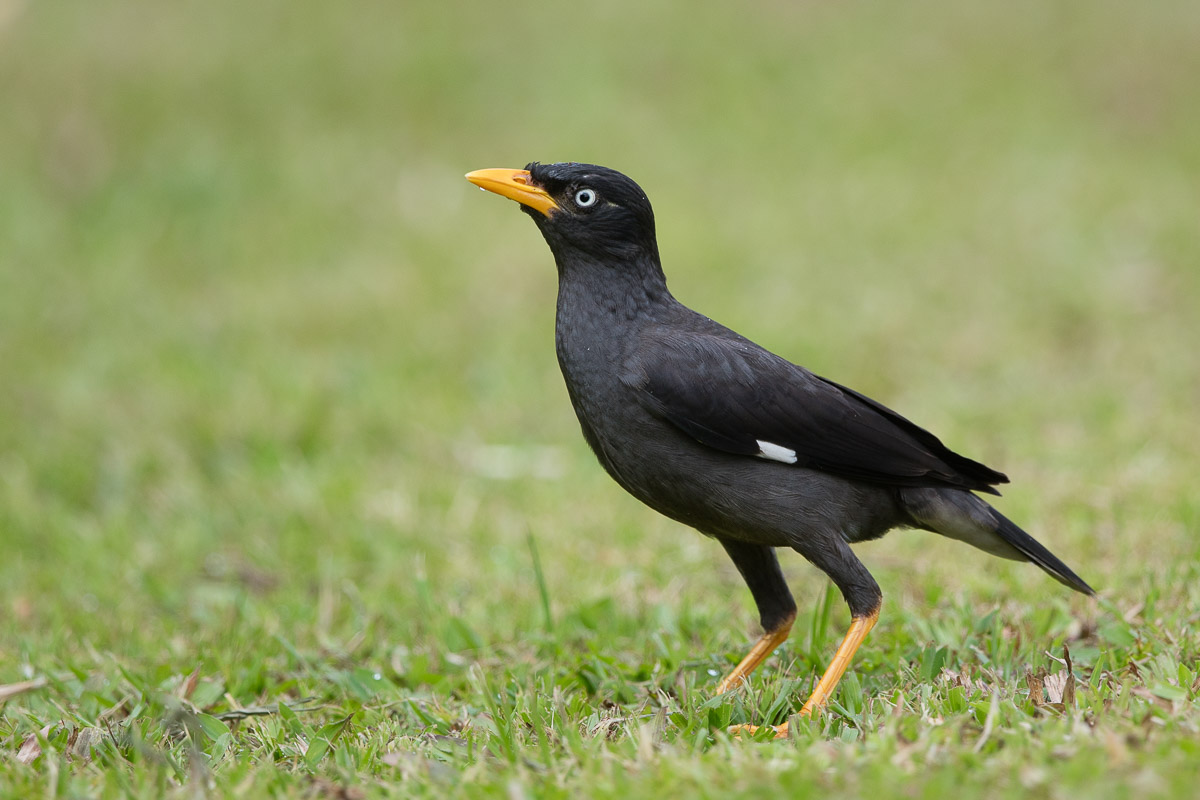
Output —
<point x="515" y="184"/>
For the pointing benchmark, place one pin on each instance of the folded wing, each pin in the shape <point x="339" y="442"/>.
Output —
<point x="731" y="395"/>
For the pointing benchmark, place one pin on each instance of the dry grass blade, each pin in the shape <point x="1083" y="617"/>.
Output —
<point x="299" y="707"/>
<point x="1035" y="682"/>
<point x="1055" y="692"/>
<point x="31" y="748"/>
<point x="189" y="684"/>
<point x="10" y="690"/>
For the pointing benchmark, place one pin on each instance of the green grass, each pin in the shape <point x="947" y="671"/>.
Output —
<point x="292" y="502"/>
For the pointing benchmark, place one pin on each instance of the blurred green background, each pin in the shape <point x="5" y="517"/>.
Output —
<point x="274" y="378"/>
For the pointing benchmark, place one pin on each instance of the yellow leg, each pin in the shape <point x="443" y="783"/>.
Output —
<point x="859" y="628"/>
<point x="762" y="648"/>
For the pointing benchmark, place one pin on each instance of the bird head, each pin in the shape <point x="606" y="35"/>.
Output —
<point x="579" y="208"/>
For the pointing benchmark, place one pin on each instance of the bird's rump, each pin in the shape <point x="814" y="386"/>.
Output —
<point x="732" y="395"/>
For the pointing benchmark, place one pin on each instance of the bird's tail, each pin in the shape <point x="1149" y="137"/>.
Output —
<point x="961" y="515"/>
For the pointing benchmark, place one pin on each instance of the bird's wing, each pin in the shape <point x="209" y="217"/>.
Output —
<point x="734" y="396"/>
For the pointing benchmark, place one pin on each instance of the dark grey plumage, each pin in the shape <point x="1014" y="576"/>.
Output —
<point x="710" y="429"/>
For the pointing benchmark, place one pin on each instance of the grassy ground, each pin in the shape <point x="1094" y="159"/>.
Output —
<point x="292" y="503"/>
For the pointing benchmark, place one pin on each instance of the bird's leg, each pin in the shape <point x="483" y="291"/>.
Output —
<point x="777" y="611"/>
<point x="765" y="645"/>
<point x="864" y="598"/>
<point x="859" y="628"/>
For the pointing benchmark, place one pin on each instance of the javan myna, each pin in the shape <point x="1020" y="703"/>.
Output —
<point x="712" y="430"/>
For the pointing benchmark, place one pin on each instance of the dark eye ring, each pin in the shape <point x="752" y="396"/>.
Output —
<point x="586" y="197"/>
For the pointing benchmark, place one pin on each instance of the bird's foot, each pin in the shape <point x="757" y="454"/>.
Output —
<point x="751" y="731"/>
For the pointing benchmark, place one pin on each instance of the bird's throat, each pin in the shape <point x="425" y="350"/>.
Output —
<point x="625" y="289"/>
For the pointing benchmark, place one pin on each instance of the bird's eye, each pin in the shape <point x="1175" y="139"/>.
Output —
<point x="586" y="197"/>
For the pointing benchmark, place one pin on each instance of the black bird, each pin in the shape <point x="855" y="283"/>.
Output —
<point x="712" y="430"/>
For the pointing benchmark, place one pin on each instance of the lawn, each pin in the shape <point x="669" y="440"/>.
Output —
<point x="292" y="500"/>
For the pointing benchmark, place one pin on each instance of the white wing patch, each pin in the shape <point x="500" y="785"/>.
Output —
<point x="775" y="452"/>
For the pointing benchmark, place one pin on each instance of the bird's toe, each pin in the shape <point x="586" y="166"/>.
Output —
<point x="752" y="731"/>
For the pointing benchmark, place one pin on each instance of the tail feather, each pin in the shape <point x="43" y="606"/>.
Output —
<point x="961" y="515"/>
<point x="1032" y="549"/>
